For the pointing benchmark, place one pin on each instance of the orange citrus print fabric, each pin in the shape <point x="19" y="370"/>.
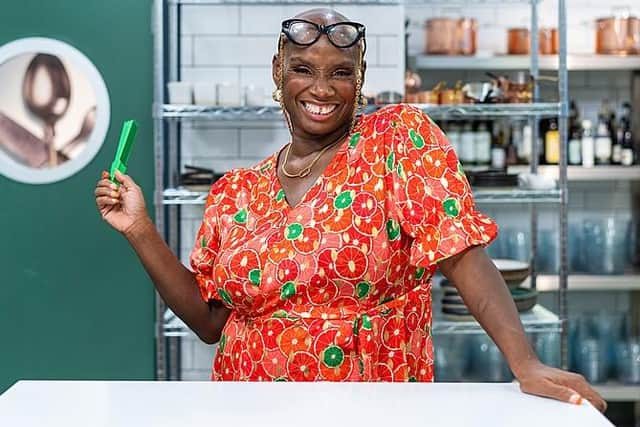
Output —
<point x="337" y="288"/>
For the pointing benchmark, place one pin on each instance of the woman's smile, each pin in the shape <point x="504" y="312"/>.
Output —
<point x="317" y="111"/>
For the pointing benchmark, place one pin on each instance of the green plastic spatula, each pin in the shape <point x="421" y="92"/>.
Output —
<point x="127" y="136"/>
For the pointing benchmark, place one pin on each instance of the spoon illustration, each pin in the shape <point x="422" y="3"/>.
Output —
<point x="46" y="90"/>
<point x="88" y="124"/>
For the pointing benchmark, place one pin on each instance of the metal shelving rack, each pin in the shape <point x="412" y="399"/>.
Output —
<point x="575" y="62"/>
<point x="167" y="118"/>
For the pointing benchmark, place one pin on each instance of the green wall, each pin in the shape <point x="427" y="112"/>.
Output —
<point x="74" y="301"/>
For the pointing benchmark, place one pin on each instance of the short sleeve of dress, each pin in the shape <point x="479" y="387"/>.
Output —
<point x="430" y="196"/>
<point x="207" y="244"/>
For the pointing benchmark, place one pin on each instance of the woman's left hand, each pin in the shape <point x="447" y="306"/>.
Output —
<point x="542" y="380"/>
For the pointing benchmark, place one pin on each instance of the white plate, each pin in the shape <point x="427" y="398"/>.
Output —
<point x="510" y="264"/>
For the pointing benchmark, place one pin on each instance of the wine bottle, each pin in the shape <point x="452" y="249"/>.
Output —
<point x="627" y="155"/>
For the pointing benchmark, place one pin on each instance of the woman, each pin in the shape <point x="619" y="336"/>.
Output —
<point x="316" y="264"/>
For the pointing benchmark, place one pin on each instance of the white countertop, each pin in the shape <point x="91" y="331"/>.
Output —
<point x="141" y="404"/>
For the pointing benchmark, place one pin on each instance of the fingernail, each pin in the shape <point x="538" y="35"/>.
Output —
<point x="575" y="399"/>
<point x="114" y="194"/>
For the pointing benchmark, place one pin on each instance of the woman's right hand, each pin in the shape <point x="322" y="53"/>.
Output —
<point x="123" y="206"/>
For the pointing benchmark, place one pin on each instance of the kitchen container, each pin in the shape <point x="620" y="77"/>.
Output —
<point x="254" y="96"/>
<point x="388" y="97"/>
<point x="628" y="361"/>
<point x="204" y="93"/>
<point x="429" y="97"/>
<point x="412" y="82"/>
<point x="451" y="357"/>
<point x="607" y="249"/>
<point x="548" y="41"/>
<point x="488" y="363"/>
<point x="228" y="94"/>
<point x="591" y="362"/>
<point x="548" y="259"/>
<point x="451" y="96"/>
<point x="451" y="36"/>
<point x="518" y="41"/>
<point x="480" y="92"/>
<point x="611" y="328"/>
<point x="179" y="92"/>
<point x="547" y="347"/>
<point x="618" y="35"/>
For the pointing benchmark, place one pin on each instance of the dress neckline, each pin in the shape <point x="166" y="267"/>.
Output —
<point x="319" y="181"/>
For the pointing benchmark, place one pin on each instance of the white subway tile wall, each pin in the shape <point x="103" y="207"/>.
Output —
<point x="236" y="44"/>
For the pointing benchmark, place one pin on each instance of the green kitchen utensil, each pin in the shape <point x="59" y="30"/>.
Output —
<point x="127" y="136"/>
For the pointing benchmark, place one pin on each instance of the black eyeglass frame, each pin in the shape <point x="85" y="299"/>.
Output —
<point x="325" y="29"/>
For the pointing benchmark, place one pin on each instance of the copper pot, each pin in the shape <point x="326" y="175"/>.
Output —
<point x="452" y="96"/>
<point x="518" y="41"/>
<point x="412" y="98"/>
<point x="466" y="36"/>
<point x="618" y="36"/>
<point x="429" y="97"/>
<point x="549" y="41"/>
<point x="451" y="36"/>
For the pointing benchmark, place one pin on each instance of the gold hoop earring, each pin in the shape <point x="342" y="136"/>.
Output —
<point x="277" y="95"/>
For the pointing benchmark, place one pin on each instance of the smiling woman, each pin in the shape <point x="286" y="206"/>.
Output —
<point x="316" y="263"/>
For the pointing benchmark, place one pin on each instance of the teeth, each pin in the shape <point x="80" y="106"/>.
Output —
<point x="319" y="109"/>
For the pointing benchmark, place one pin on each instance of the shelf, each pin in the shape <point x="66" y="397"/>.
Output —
<point x="202" y="112"/>
<point x="584" y="282"/>
<point x="173" y="326"/>
<point x="575" y="62"/>
<point x="463" y="111"/>
<point x="579" y="173"/>
<point x="516" y="196"/>
<point x="279" y="2"/>
<point x="349" y="2"/>
<point x="538" y="319"/>
<point x="617" y="392"/>
<point x="181" y="196"/>
<point x="450" y="112"/>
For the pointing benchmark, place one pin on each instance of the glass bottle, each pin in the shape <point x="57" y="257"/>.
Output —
<point x="499" y="149"/>
<point x="574" y="155"/>
<point x="587" y="144"/>
<point x="467" y="149"/>
<point x="483" y="144"/>
<point x="603" y="143"/>
<point x="522" y="138"/>
<point x="552" y="143"/>
<point x="453" y="133"/>
<point x="627" y="154"/>
<point x="574" y="146"/>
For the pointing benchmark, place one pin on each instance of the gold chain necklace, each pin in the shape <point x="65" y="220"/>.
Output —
<point x="306" y="170"/>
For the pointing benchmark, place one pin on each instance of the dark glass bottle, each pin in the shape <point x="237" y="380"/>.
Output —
<point x="628" y="152"/>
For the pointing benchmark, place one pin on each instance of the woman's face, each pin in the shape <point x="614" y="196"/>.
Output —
<point x="319" y="87"/>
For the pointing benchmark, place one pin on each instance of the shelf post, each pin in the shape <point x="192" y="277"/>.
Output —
<point x="533" y="122"/>
<point x="563" y="234"/>
<point x="157" y="19"/>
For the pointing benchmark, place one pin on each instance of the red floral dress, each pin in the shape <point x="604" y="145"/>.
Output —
<point x="337" y="288"/>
